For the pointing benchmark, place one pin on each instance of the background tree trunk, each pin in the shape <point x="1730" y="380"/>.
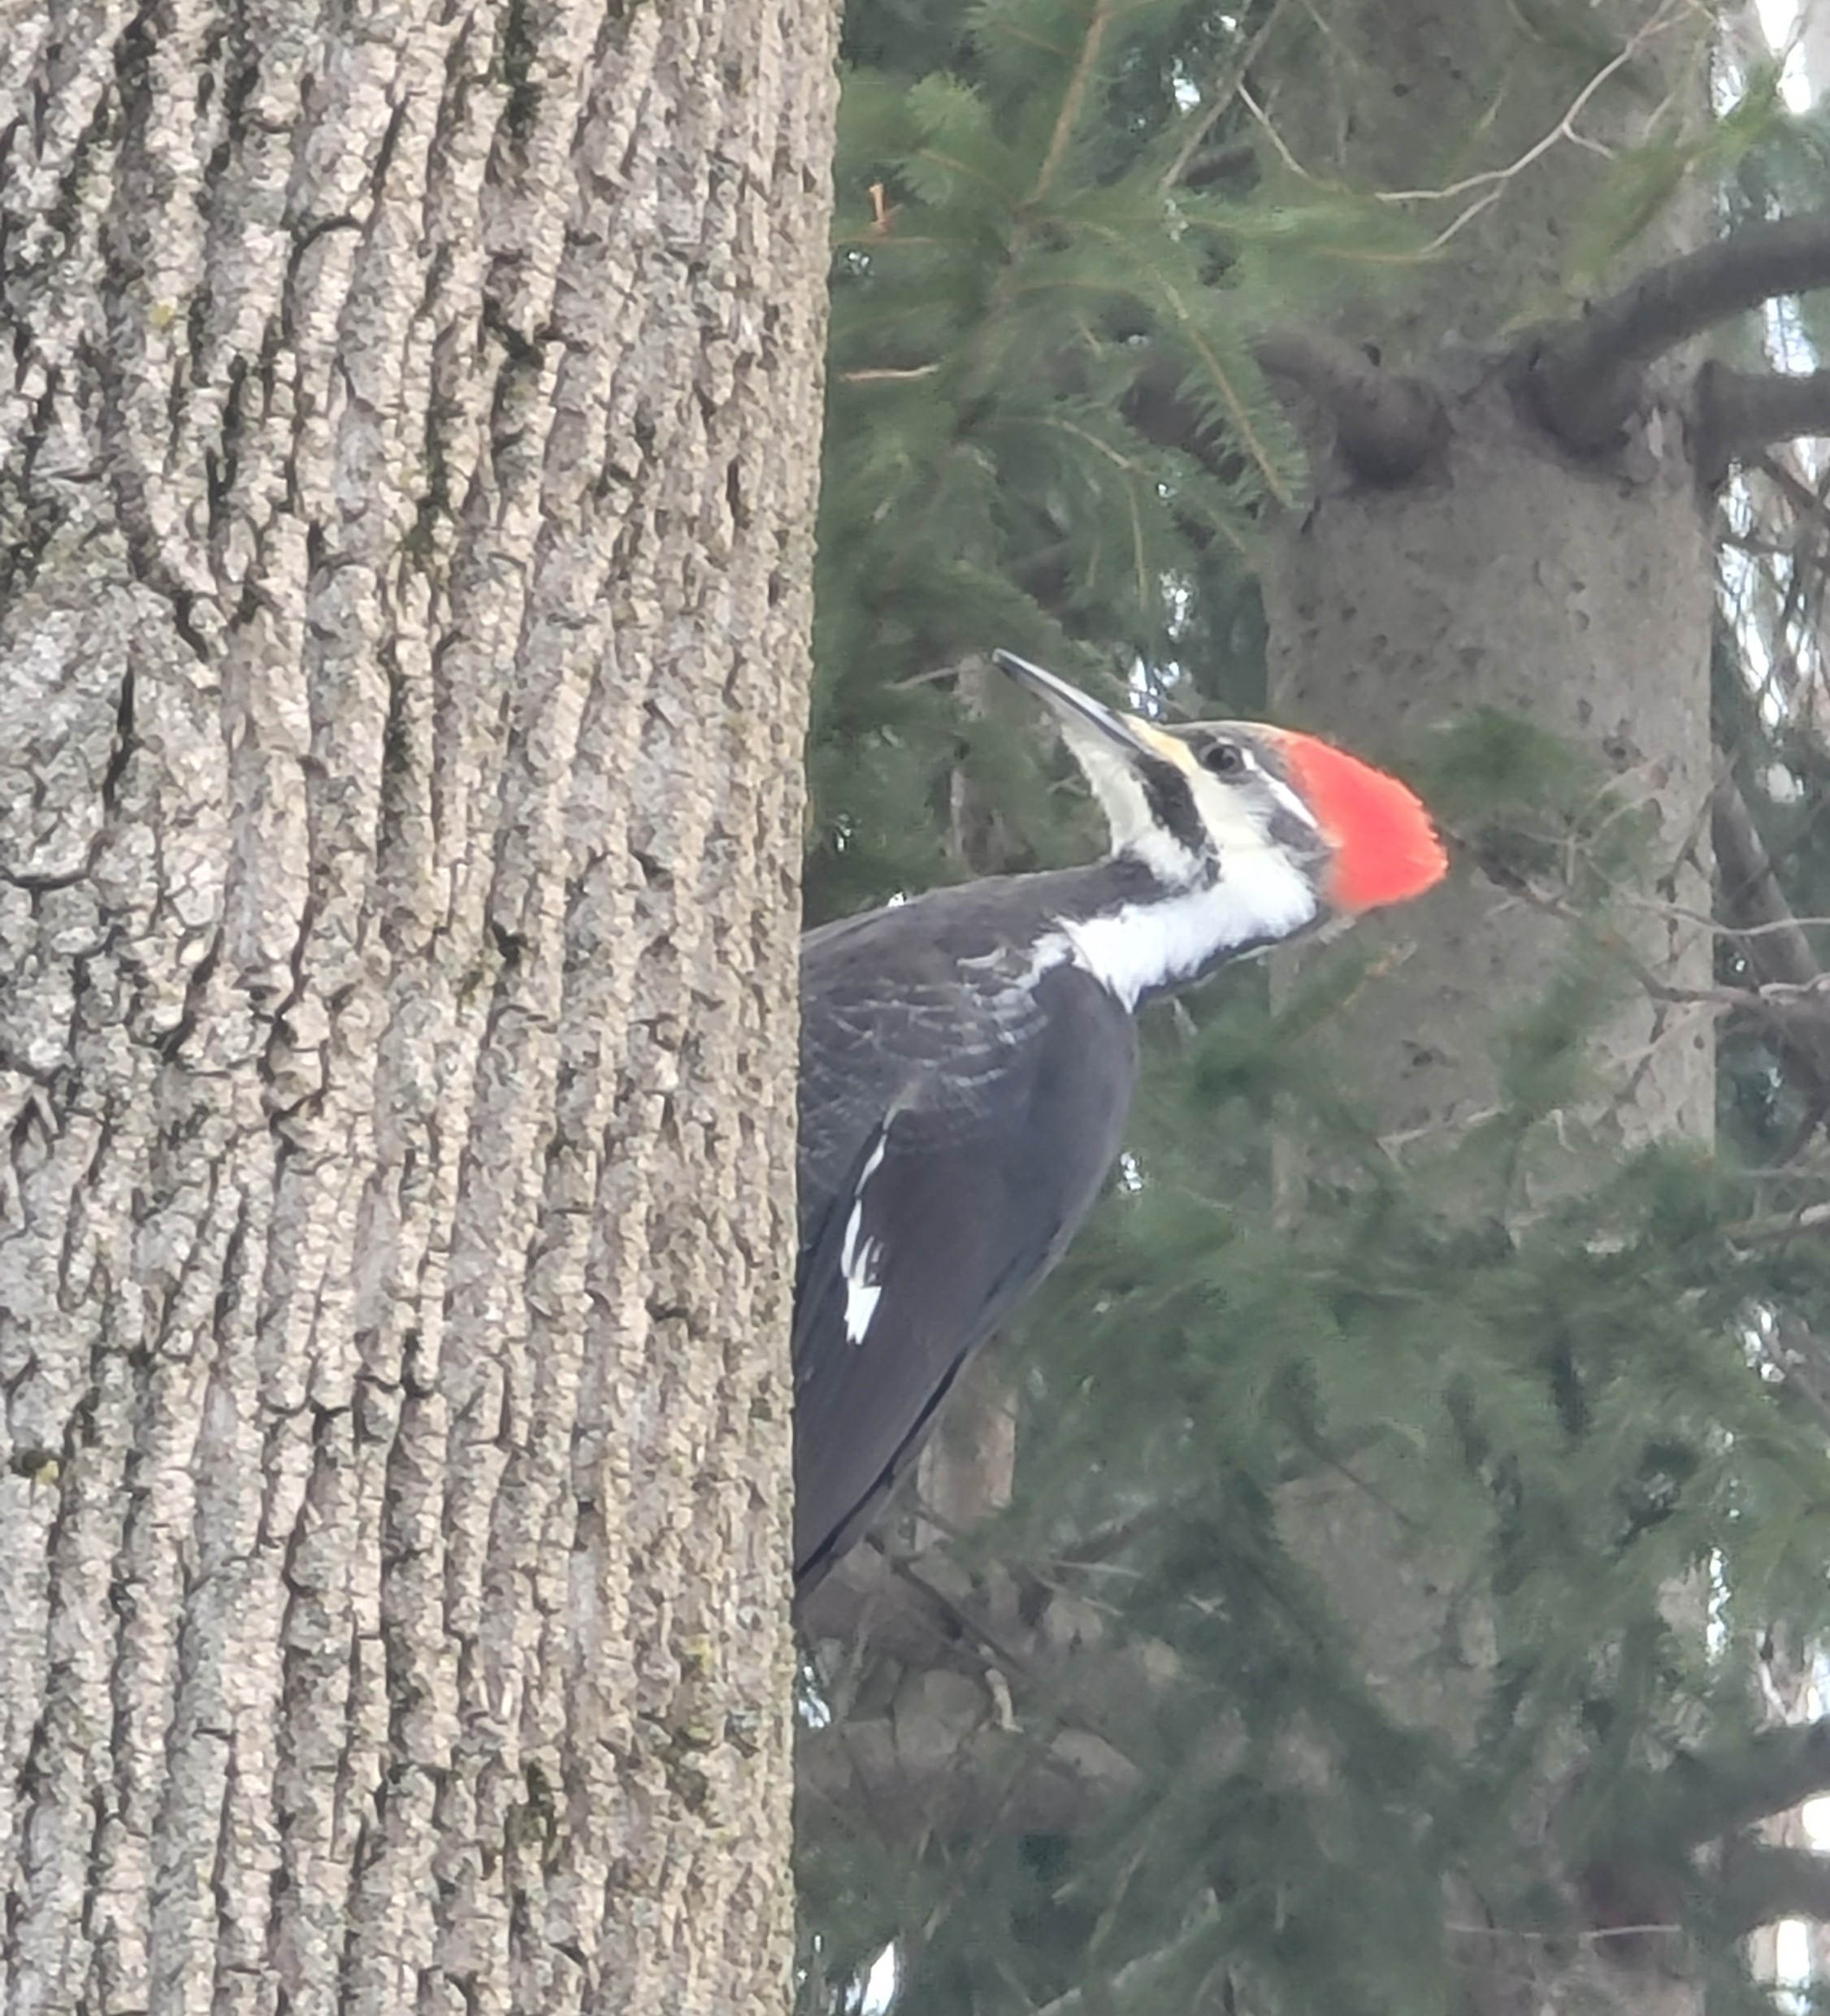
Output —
<point x="1572" y="593"/>
<point x="1576" y="593"/>
<point x="410" y="450"/>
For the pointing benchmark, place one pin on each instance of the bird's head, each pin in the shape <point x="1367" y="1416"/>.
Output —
<point x="1219" y="801"/>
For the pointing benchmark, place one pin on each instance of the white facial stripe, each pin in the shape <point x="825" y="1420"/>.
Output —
<point x="858" y="1259"/>
<point x="1233" y="812"/>
<point x="1122" y="797"/>
<point x="1288" y="799"/>
<point x="1227" y="813"/>
<point x="1261" y="895"/>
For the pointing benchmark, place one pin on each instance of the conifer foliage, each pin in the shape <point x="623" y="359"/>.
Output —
<point x="1025" y="281"/>
<point x="1112" y="1748"/>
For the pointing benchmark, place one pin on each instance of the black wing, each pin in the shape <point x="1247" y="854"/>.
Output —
<point x="956" y="1125"/>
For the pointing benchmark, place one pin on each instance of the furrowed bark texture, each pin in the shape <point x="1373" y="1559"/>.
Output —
<point x="410" y="440"/>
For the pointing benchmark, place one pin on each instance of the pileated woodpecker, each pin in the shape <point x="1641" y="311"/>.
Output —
<point x="967" y="1058"/>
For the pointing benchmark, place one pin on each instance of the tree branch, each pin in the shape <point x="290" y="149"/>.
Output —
<point x="922" y="1613"/>
<point x="1774" y="942"/>
<point x="1735" y="414"/>
<point x="1647" y="1870"/>
<point x="1759" y="1885"/>
<point x="1585" y="379"/>
<point x="1136" y="1976"/>
<point x="1699" y="1798"/>
<point x="1386" y="426"/>
<point x="1223" y="163"/>
<point x="1752" y="897"/>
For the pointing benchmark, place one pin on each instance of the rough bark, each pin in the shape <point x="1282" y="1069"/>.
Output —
<point x="1514" y="574"/>
<point x="405" y="521"/>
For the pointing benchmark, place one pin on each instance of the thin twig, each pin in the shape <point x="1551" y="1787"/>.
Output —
<point x="1488" y="180"/>
<point x="886" y="376"/>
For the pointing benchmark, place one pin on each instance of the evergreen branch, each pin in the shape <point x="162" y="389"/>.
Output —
<point x="1759" y="1884"/>
<point x="1137" y="1974"/>
<point x="1701" y="1798"/>
<point x="1387" y="426"/>
<point x="1585" y="378"/>
<point x="1140" y="569"/>
<point x="1116" y="456"/>
<point x="1073" y="100"/>
<point x="1234" y="405"/>
<point x="1276" y="139"/>
<point x="1238" y="414"/>
<point x="1735" y="414"/>
<point x="955" y="166"/>
<point x="1157" y="407"/>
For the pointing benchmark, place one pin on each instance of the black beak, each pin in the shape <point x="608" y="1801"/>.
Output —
<point x="1071" y="707"/>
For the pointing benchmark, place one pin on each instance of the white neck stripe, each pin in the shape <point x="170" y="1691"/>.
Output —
<point x="1143" y="946"/>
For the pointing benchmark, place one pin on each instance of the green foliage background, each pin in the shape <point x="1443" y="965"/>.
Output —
<point x="1055" y="220"/>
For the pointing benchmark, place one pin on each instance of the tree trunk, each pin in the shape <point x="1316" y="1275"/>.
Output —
<point x="406" y="515"/>
<point x="1576" y="594"/>
<point x="1580" y="599"/>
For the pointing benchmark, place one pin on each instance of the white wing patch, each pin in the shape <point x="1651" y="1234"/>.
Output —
<point x="858" y="1258"/>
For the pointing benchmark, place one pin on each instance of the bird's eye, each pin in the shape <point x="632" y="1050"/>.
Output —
<point x="1225" y="759"/>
